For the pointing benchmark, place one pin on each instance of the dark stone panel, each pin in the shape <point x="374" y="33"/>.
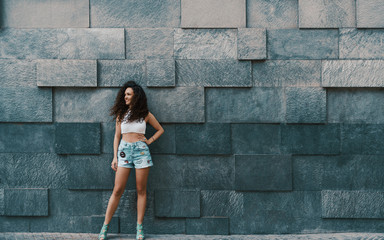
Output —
<point x="70" y="224"/>
<point x="25" y="202"/>
<point x="263" y="172"/>
<point x="114" y="73"/>
<point x="362" y="139"/>
<point x="14" y="224"/>
<point x="166" y="143"/>
<point x="177" y="203"/>
<point x="154" y="225"/>
<point x="98" y="221"/>
<point x="207" y="226"/>
<point x="173" y="165"/>
<point x="221" y="203"/>
<point x="77" y="138"/>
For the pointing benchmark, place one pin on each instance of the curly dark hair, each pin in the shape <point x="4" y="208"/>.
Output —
<point x="138" y="104"/>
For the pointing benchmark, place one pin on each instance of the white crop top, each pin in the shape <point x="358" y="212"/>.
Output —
<point x="135" y="126"/>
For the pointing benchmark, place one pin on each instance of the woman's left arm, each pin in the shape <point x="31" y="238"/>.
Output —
<point x="156" y="125"/>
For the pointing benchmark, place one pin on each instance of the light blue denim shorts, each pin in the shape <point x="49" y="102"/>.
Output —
<point x="133" y="154"/>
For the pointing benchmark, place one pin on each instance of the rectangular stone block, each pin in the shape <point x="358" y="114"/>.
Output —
<point x="286" y="73"/>
<point x="306" y="105"/>
<point x="1" y="201"/>
<point x="205" y="43"/>
<point x="26" y="202"/>
<point x="311" y="139"/>
<point x="256" y="105"/>
<point x="17" y="73"/>
<point x="62" y="43"/>
<point x="114" y="73"/>
<point x="213" y="13"/>
<point x="45" y="14"/>
<point x="135" y="14"/>
<point x="180" y="203"/>
<point x="143" y="43"/>
<point x="352" y="204"/>
<point x="207" y="226"/>
<point x="369" y="14"/>
<point x="175" y="167"/>
<point x="352" y="73"/>
<point x="327" y="14"/>
<point x="272" y="14"/>
<point x="214" y="73"/>
<point x="258" y="172"/>
<point x="14" y="224"/>
<point x="302" y="44"/>
<point x="160" y="72"/>
<point x="77" y="138"/>
<point x="166" y="143"/>
<point x="355" y="105"/>
<point x="36" y="138"/>
<point x="69" y="224"/>
<point x="66" y="73"/>
<point x="251" y="43"/>
<point x="361" y="43"/>
<point x="255" y="138"/>
<point x="362" y="139"/>
<point x="222" y="203"/>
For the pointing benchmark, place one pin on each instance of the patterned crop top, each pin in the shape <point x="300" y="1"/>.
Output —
<point x="135" y="126"/>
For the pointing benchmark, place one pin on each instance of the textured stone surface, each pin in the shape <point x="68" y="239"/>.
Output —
<point x="114" y="73"/>
<point x="311" y="139"/>
<point x="263" y="172"/>
<point x="302" y="44"/>
<point x="62" y="43"/>
<point x="251" y="43"/>
<point x="97" y="221"/>
<point x="352" y="204"/>
<point x="180" y="203"/>
<point x="17" y="73"/>
<point x="221" y="203"/>
<point x="214" y="73"/>
<point x="77" y="138"/>
<point x="45" y="14"/>
<point x="369" y="14"/>
<point x="207" y="225"/>
<point x="327" y="13"/>
<point x="26" y="202"/>
<point x="361" y="43"/>
<point x="160" y="72"/>
<point x="255" y="138"/>
<point x="213" y="13"/>
<point x="259" y="105"/>
<point x="306" y="105"/>
<point x="135" y="14"/>
<point x="66" y="73"/>
<point x="352" y="73"/>
<point x="1" y="202"/>
<point x="272" y="14"/>
<point x="13" y="224"/>
<point x="205" y="43"/>
<point x="145" y="43"/>
<point x="287" y="73"/>
<point x="73" y="224"/>
<point x="362" y="139"/>
<point x="355" y="105"/>
<point x="166" y="143"/>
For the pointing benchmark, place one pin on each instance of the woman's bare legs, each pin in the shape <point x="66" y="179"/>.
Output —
<point x="141" y="189"/>
<point x="121" y="178"/>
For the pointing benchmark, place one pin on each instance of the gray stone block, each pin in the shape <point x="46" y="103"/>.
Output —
<point x="255" y="138"/>
<point x="213" y="13"/>
<point x="207" y="226"/>
<point x="355" y="105"/>
<point x="306" y="105"/>
<point x="146" y="43"/>
<point x="208" y="138"/>
<point x="287" y="73"/>
<point x="251" y="43"/>
<point x="361" y="43"/>
<point x="257" y="105"/>
<point x="177" y="203"/>
<point x="352" y="204"/>
<point x="25" y="104"/>
<point x="1" y="202"/>
<point x="302" y="44"/>
<point x="214" y="73"/>
<point x="81" y="43"/>
<point x="311" y="139"/>
<point x="17" y="73"/>
<point x="175" y="167"/>
<point x="26" y="202"/>
<point x="205" y="43"/>
<point x="362" y="139"/>
<point x="272" y="14"/>
<point x="114" y="73"/>
<point x="160" y="72"/>
<point x="221" y="203"/>
<point x="107" y="136"/>
<point x="259" y="172"/>
<point x="35" y="138"/>
<point x="98" y="221"/>
<point x="45" y="14"/>
<point x="135" y="14"/>
<point x="327" y="14"/>
<point x="14" y="224"/>
<point x="166" y="143"/>
<point x="70" y="224"/>
<point x="77" y="138"/>
<point x="66" y="73"/>
<point x="369" y="14"/>
<point x="352" y="73"/>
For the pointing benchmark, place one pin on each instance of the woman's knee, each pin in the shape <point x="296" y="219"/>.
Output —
<point x="118" y="191"/>
<point x="142" y="191"/>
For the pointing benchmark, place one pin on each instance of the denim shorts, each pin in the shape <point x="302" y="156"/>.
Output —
<point x="133" y="154"/>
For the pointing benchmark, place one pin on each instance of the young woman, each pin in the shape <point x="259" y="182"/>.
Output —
<point x="131" y="114"/>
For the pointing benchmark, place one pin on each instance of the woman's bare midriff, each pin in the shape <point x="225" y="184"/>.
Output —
<point x="133" y="137"/>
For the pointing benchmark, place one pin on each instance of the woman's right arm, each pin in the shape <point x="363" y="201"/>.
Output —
<point x="116" y="143"/>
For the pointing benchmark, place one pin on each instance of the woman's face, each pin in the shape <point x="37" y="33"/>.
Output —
<point x="128" y="95"/>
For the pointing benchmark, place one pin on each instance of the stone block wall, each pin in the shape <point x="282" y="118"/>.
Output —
<point x="273" y="113"/>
